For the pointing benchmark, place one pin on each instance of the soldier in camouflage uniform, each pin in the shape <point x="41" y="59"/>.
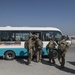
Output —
<point x="38" y="46"/>
<point x="62" y="49"/>
<point x="29" y="45"/>
<point x="34" y="47"/>
<point x="50" y="46"/>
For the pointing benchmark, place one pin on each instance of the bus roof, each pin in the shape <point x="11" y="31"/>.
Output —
<point x="29" y="28"/>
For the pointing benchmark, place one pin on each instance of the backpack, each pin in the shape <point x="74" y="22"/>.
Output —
<point x="39" y="43"/>
<point x="51" y="45"/>
<point x="62" y="46"/>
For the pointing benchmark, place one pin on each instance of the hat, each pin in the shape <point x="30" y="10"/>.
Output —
<point x="63" y="37"/>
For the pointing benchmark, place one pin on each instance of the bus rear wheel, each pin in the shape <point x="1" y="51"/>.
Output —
<point x="9" y="55"/>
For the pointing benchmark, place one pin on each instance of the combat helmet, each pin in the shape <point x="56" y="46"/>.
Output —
<point x="63" y="37"/>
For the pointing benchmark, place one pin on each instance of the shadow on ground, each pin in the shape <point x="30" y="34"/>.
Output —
<point x="1" y="58"/>
<point x="71" y="62"/>
<point x="21" y="60"/>
<point x="66" y="69"/>
<point x="46" y="62"/>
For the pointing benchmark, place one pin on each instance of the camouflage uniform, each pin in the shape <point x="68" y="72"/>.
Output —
<point x="51" y="46"/>
<point x="29" y="45"/>
<point x="38" y="46"/>
<point x="34" y="47"/>
<point x="62" y="49"/>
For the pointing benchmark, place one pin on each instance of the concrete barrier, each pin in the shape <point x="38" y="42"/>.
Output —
<point x="73" y="41"/>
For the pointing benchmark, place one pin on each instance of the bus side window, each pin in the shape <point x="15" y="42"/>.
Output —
<point x="15" y="36"/>
<point x="24" y="36"/>
<point x="0" y="35"/>
<point x="19" y="36"/>
<point x="45" y="36"/>
<point x="5" y="36"/>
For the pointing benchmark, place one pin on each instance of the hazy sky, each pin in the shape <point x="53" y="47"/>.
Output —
<point x="52" y="13"/>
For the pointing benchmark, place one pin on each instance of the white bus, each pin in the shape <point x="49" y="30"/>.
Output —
<point x="12" y="39"/>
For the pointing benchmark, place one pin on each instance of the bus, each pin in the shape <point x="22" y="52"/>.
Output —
<point x="12" y="39"/>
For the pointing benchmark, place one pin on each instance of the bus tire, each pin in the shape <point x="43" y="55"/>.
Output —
<point x="55" y="54"/>
<point x="9" y="55"/>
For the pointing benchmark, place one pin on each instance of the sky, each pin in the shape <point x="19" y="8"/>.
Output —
<point x="44" y="13"/>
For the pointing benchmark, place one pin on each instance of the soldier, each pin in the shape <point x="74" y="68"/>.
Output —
<point x="62" y="49"/>
<point x="51" y="45"/>
<point x="34" y="47"/>
<point x="38" y="46"/>
<point x="29" y="45"/>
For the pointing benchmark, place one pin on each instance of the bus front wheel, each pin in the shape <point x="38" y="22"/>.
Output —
<point x="9" y="55"/>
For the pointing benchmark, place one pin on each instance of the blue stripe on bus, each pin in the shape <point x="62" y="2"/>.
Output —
<point x="20" y="51"/>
